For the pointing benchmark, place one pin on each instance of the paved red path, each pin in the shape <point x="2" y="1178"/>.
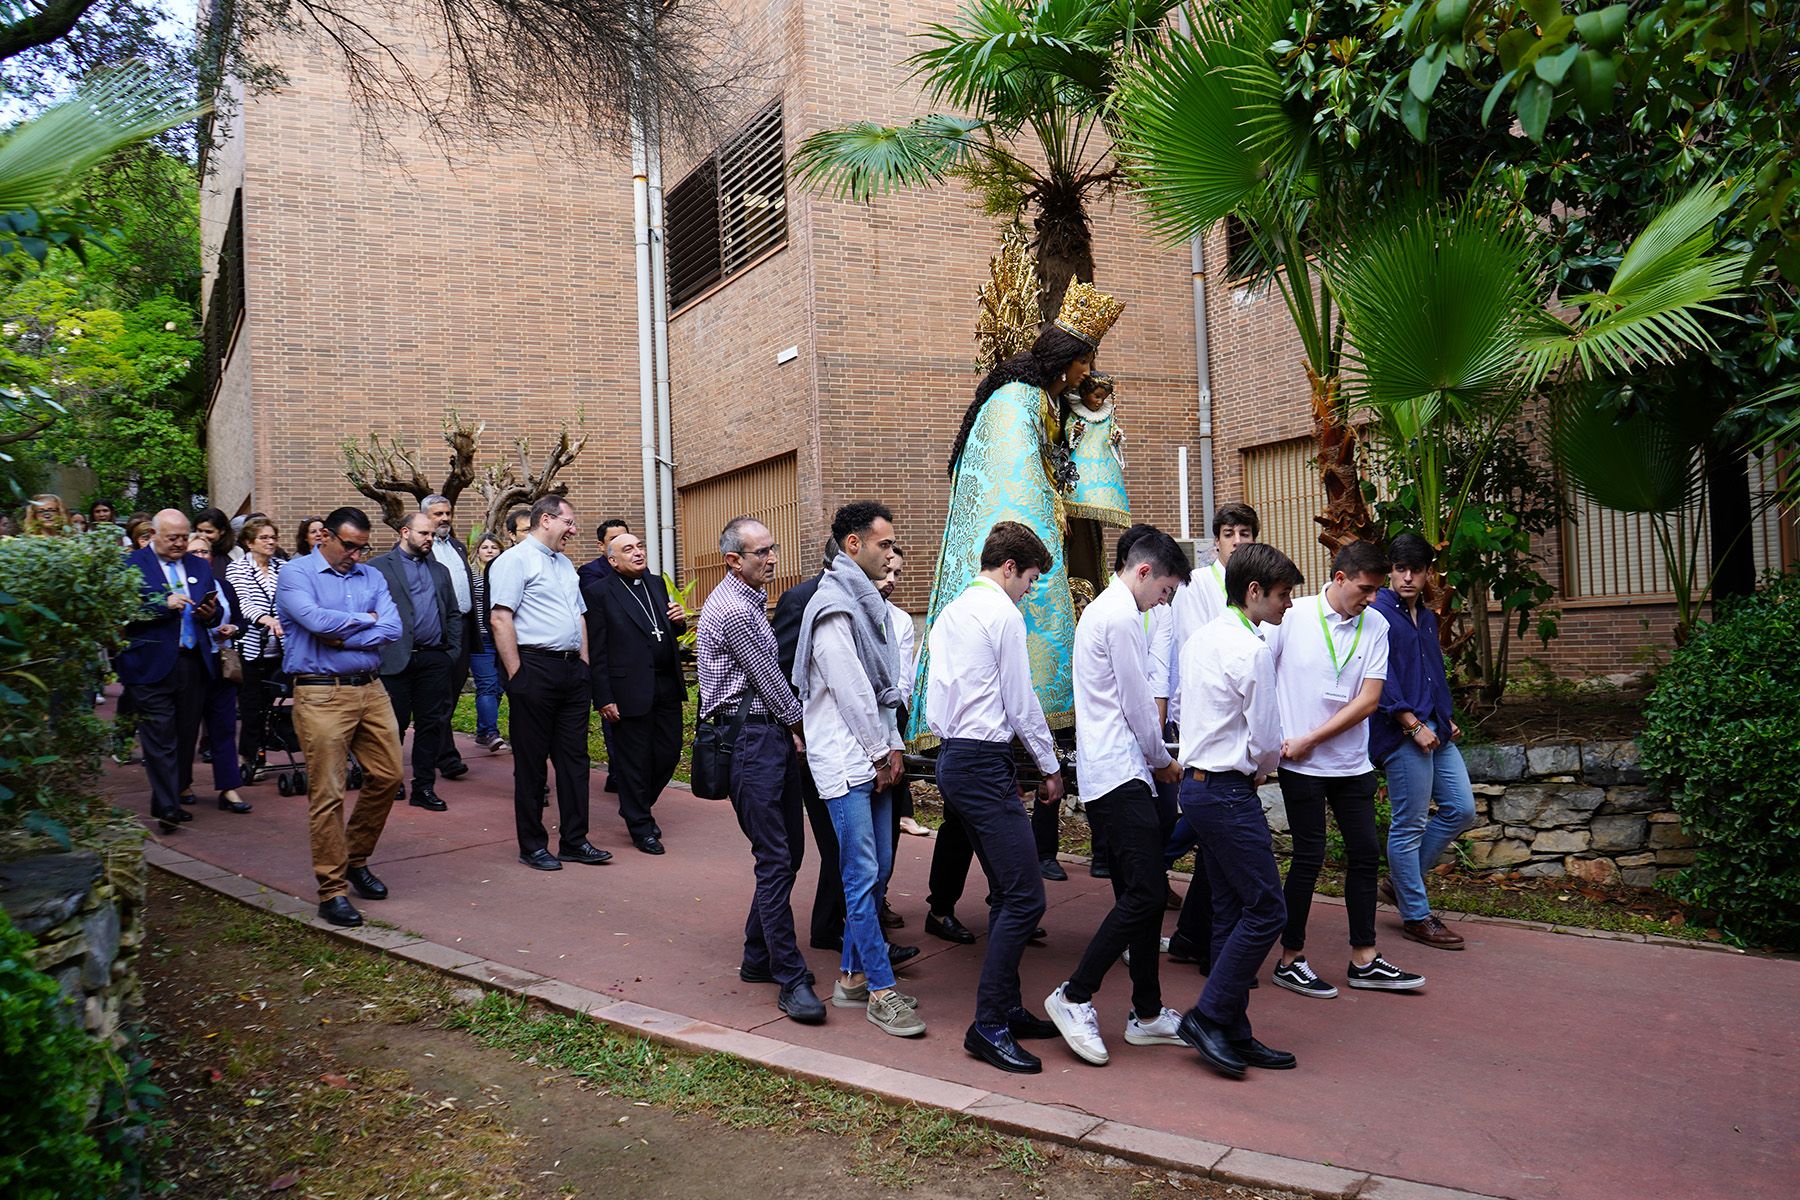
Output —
<point x="1534" y="1065"/>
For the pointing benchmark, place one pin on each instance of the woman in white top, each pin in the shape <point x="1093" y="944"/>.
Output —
<point x="254" y="576"/>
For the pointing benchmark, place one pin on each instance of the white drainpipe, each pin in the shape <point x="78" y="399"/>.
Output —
<point x="659" y="292"/>
<point x="1202" y="352"/>
<point x="640" y="218"/>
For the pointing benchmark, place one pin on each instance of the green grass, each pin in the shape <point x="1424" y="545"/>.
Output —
<point x="463" y="721"/>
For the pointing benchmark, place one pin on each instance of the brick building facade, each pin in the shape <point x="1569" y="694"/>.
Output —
<point x="834" y="363"/>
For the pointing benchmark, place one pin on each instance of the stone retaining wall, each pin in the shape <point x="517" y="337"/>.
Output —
<point x="85" y="909"/>
<point x="1580" y="809"/>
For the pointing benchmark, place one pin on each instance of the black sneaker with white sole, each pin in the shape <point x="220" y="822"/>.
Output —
<point x="1383" y="975"/>
<point x="1297" y="976"/>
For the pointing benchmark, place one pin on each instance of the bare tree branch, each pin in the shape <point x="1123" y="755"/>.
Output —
<point x="51" y="21"/>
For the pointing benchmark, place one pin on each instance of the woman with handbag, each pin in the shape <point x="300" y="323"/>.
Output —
<point x="219" y="713"/>
<point x="253" y="577"/>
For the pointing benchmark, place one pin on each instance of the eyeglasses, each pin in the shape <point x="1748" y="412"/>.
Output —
<point x="771" y="548"/>
<point x="351" y="548"/>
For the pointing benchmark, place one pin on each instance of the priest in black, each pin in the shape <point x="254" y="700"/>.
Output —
<point x="637" y="682"/>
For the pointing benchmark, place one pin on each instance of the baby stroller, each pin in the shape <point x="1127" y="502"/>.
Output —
<point x="282" y="741"/>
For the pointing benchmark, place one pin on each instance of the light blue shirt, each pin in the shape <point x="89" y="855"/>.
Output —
<point x="540" y="587"/>
<point x="314" y="601"/>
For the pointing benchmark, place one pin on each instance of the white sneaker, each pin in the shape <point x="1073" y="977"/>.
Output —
<point x="1079" y="1027"/>
<point x="1163" y="1031"/>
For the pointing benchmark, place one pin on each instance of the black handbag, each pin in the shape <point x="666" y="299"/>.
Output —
<point x="714" y="743"/>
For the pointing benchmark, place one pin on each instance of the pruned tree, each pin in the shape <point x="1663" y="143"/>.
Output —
<point x="517" y="484"/>
<point x="387" y="470"/>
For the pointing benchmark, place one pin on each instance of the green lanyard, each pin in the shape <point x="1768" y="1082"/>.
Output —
<point x="1218" y="573"/>
<point x="1239" y="614"/>
<point x="983" y="580"/>
<point x="1331" y="645"/>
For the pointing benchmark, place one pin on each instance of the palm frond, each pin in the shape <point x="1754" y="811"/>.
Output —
<point x="42" y="158"/>
<point x="1649" y="313"/>
<point x="1624" y="456"/>
<point x="862" y="160"/>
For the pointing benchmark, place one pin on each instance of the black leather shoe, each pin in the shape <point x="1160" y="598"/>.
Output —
<point x="1021" y="1022"/>
<point x="949" y="928"/>
<point x="425" y="798"/>
<point x="586" y="853"/>
<point x="338" y="911"/>
<point x="1098" y="869"/>
<point x="1038" y="934"/>
<point x="363" y="882"/>
<point x="541" y="860"/>
<point x="1183" y="951"/>
<point x="455" y="770"/>
<point x="800" y="1004"/>
<point x="898" y="955"/>
<point x="649" y="845"/>
<point x="762" y="975"/>
<point x="656" y="829"/>
<point x="1000" y="1050"/>
<point x="188" y="798"/>
<point x="1052" y="870"/>
<point x="168" y="824"/>
<point x="182" y="815"/>
<point x="1212" y="1044"/>
<point x="1255" y="1054"/>
<point x="236" y="806"/>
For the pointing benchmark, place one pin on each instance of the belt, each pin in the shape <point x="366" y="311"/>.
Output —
<point x="335" y="680"/>
<point x="547" y="652"/>
<point x="763" y="719"/>
<point x="1196" y="775"/>
<point x="433" y="646"/>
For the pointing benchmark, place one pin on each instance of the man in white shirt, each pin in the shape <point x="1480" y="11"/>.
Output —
<point x="1196" y="603"/>
<point x="1331" y="657"/>
<point x="979" y="697"/>
<point x="1118" y="752"/>
<point x="846" y="673"/>
<point x="1230" y="742"/>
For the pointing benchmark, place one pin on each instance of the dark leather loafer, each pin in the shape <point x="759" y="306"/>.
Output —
<point x="649" y="845"/>
<point x="424" y="797"/>
<point x="541" y="860"/>
<point x="889" y="918"/>
<point x="182" y="815"/>
<point x="1183" y="951"/>
<point x="998" y="1049"/>
<point x="800" y="1004"/>
<point x="188" y="798"/>
<point x="899" y="955"/>
<point x="455" y="770"/>
<point x="586" y="853"/>
<point x="1021" y="1022"/>
<point x="949" y="928"/>
<point x="339" y="911"/>
<point x="656" y="829"/>
<point x="1099" y="870"/>
<point x="363" y="883"/>
<point x="1255" y="1054"/>
<point x="762" y="975"/>
<point x="1038" y="934"/>
<point x="168" y="824"/>
<point x="1052" y="870"/>
<point x="1212" y="1044"/>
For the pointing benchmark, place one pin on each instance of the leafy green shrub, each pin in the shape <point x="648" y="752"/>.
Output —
<point x="1722" y="736"/>
<point x="53" y="1073"/>
<point x="63" y="603"/>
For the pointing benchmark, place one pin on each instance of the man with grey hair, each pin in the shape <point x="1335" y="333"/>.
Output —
<point x="448" y="549"/>
<point x="741" y="682"/>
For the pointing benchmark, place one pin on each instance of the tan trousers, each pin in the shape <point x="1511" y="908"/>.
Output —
<point x="334" y="721"/>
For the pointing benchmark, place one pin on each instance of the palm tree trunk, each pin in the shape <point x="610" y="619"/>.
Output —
<point x="1346" y="517"/>
<point x="1064" y="242"/>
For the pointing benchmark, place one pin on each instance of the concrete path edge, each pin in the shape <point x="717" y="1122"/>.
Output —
<point x="1042" y="1122"/>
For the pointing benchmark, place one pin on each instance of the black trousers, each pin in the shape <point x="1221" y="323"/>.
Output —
<point x="765" y="793"/>
<point x="254" y="703"/>
<point x="1134" y="836"/>
<point x="827" y="926"/>
<point x="1352" y="802"/>
<point x="646" y="751"/>
<point x="422" y="698"/>
<point x="952" y="854"/>
<point x="448" y="755"/>
<point x="169" y="712"/>
<point x="981" y="785"/>
<point x="548" y="705"/>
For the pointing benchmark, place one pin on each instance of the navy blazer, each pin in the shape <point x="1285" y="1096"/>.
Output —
<point x="155" y="632"/>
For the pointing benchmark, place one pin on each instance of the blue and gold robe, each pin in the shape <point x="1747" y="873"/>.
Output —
<point x="1002" y="476"/>
<point x="1099" y="492"/>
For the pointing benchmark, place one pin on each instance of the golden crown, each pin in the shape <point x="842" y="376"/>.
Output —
<point x="1088" y="312"/>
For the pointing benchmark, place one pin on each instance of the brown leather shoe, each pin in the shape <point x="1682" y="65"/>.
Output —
<point x="1432" y="932"/>
<point x="889" y="918"/>
<point x="1384" y="891"/>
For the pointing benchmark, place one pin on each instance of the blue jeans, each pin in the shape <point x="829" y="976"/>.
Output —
<point x="860" y="818"/>
<point x="1417" y="838"/>
<point x="487" y="693"/>
<point x="1249" y="911"/>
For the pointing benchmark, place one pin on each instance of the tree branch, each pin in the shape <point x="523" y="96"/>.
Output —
<point x="26" y="434"/>
<point x="50" y="22"/>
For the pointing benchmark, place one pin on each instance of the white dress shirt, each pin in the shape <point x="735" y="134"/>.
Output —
<point x="1312" y="687"/>
<point x="1197" y="603"/>
<point x="846" y="730"/>
<point x="1233" y="722"/>
<point x="1118" y="737"/>
<point x="979" y="686"/>
<point x="900" y="628"/>
<point x="445" y="551"/>
<point x="1158" y="626"/>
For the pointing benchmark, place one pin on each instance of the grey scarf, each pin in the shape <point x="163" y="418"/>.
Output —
<point x="845" y="589"/>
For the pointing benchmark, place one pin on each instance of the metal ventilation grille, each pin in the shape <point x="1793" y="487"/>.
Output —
<point x="729" y="211"/>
